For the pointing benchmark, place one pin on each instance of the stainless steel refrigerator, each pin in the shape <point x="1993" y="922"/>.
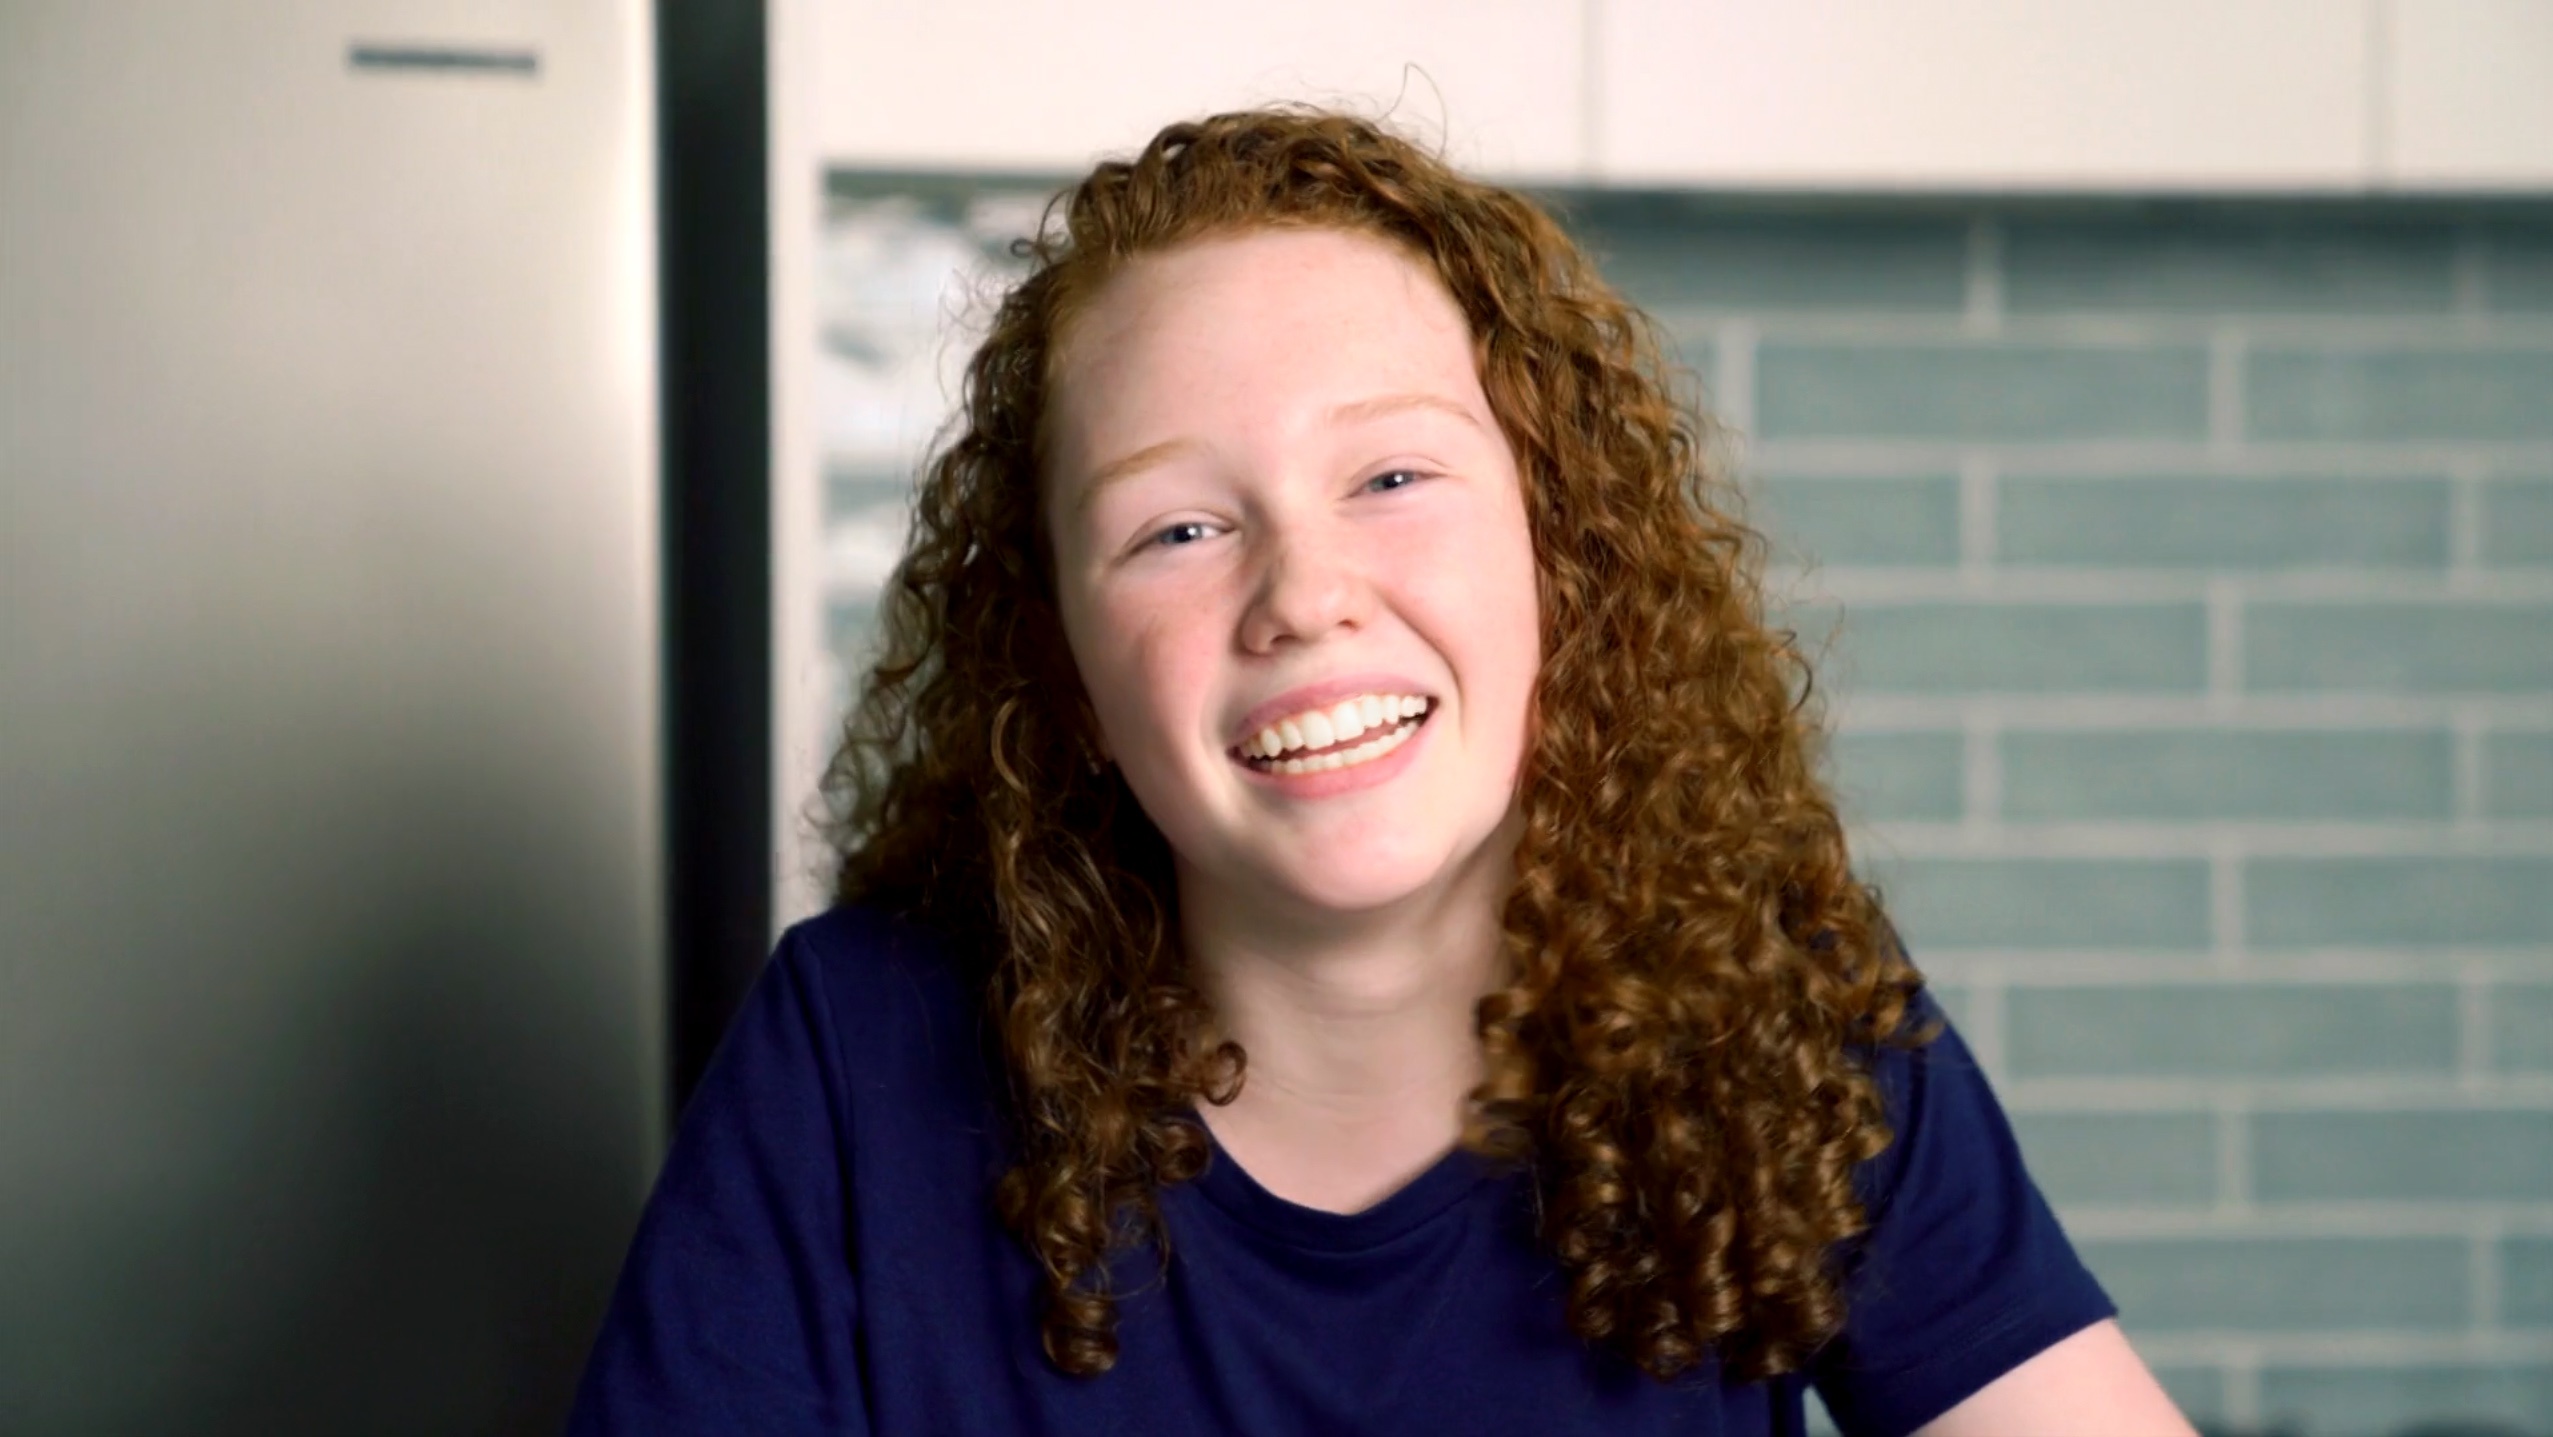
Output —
<point x="332" y="1054"/>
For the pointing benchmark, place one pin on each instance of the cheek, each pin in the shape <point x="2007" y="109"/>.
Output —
<point x="1505" y="661"/>
<point x="1513" y="644"/>
<point x="1139" y="665"/>
<point x="1492" y="600"/>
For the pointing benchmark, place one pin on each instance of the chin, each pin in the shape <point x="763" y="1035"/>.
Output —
<point x="1367" y="886"/>
<point x="1355" y="897"/>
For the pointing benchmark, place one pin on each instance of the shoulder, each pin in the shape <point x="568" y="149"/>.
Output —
<point x="1963" y="1272"/>
<point x="1942" y="1115"/>
<point x="872" y="970"/>
<point x="812" y="1170"/>
<point x="897" y="1005"/>
<point x="854" y="942"/>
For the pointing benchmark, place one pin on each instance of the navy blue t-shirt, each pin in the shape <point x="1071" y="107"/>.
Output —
<point x="821" y="1255"/>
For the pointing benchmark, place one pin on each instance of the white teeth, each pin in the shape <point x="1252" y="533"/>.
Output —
<point x="1365" y="752"/>
<point x="1343" y="723"/>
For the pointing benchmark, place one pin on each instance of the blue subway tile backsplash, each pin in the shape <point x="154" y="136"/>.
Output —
<point x="2440" y="900"/>
<point x="2354" y="393"/>
<point x="2517" y="521"/>
<point x="2417" y="646"/>
<point x="2228" y="260"/>
<point x="2148" y="521"/>
<point x="2526" y="1286"/>
<point x="2415" y="1155"/>
<point x="2517" y="265"/>
<point x="1960" y="646"/>
<point x="1677" y="257"/>
<point x="2134" y="1160"/>
<point x="1980" y="391"/>
<point x="1911" y="520"/>
<point x="2037" y="903"/>
<point x="2446" y="1398"/>
<point x="2287" y="1284"/>
<point x="2231" y="1030"/>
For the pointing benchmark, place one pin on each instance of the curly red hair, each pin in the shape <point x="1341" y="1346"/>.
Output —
<point x="1695" y="978"/>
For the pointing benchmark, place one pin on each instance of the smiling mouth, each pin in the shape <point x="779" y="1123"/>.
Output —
<point x="1356" y="731"/>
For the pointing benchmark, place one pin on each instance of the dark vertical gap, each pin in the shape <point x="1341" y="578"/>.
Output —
<point x="713" y="229"/>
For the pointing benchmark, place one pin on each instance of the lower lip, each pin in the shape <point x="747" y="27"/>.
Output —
<point x="1329" y="782"/>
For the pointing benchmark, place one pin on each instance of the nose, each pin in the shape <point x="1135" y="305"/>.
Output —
<point x="1310" y="586"/>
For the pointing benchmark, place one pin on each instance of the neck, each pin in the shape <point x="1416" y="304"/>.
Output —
<point x="1360" y="1031"/>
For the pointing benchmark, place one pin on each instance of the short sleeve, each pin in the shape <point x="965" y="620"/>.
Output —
<point x="1964" y="1273"/>
<point x="735" y="1310"/>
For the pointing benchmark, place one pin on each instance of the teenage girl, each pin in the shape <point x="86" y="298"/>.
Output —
<point x="1339" y="928"/>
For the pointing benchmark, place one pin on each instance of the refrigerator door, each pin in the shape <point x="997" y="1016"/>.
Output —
<point x="329" y="773"/>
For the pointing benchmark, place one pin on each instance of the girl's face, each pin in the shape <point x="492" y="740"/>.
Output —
<point x="1295" y="571"/>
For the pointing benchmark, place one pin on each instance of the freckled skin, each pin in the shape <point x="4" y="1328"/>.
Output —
<point x="1279" y="542"/>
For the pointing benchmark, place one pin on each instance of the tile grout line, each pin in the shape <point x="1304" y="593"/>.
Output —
<point x="1733" y="378"/>
<point x="2508" y="330"/>
<point x="1979" y="479"/>
<point x="2096" y="457"/>
<point x="1981" y="291"/>
<point x="2114" y="1092"/>
<point x="2304" y="1216"/>
<point x="2473" y="1029"/>
<point x="2224" y="644"/>
<point x="2226" y="349"/>
<point x="2057" y="584"/>
<point x="2043" y="970"/>
<point x="2242" y="1386"/>
<point x="1980" y="773"/>
<point x="2122" y="842"/>
<point x="2228" y="941"/>
<point x="2354" y="1347"/>
<point x="2434" y="1223"/>
<point x="2465" y="526"/>
<point x="1877" y="712"/>
<point x="2233" y="1157"/>
<point x="2470" y="784"/>
<point x="2484" y="1274"/>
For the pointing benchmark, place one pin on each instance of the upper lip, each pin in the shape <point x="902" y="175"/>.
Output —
<point x="1324" y="694"/>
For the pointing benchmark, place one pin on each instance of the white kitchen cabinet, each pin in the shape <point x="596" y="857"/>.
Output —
<point x="1983" y="94"/>
<point x="2163" y="96"/>
<point x="2466" y="95"/>
<point x="1017" y="86"/>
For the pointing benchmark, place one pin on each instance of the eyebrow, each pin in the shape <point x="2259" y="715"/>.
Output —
<point x="1127" y="465"/>
<point x="1382" y="405"/>
<point x="1359" y="411"/>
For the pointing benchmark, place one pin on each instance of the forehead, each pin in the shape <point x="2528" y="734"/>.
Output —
<point x="1248" y="323"/>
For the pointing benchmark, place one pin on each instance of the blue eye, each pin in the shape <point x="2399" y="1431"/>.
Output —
<point x="1390" y="480"/>
<point x="1178" y="534"/>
